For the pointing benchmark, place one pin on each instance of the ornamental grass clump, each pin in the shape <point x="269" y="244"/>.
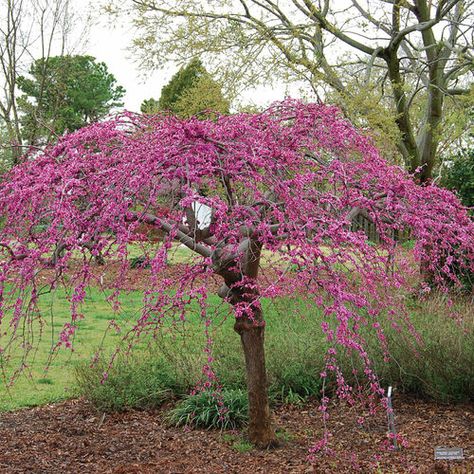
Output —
<point x="226" y="409"/>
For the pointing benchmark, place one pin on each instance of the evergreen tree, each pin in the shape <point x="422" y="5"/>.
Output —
<point x="64" y="93"/>
<point x="191" y="91"/>
<point x="149" y="106"/>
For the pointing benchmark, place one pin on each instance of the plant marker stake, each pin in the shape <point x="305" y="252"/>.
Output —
<point x="391" y="418"/>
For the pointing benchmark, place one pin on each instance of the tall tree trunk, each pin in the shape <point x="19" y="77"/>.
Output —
<point x="261" y="431"/>
<point x="407" y="144"/>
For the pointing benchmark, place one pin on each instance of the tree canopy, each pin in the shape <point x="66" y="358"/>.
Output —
<point x="459" y="176"/>
<point x="191" y="91"/>
<point x="64" y="93"/>
<point x="417" y="54"/>
<point x="283" y="187"/>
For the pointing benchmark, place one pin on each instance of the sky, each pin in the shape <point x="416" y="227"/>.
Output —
<point x="109" y="44"/>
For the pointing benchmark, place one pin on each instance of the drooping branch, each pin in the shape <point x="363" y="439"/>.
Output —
<point x="176" y="230"/>
<point x="12" y="253"/>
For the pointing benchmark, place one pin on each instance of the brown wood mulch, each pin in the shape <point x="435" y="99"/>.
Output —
<point x="71" y="437"/>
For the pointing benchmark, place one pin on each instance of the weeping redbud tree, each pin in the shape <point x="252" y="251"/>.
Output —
<point x="282" y="188"/>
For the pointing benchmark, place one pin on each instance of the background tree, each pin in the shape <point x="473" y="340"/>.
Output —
<point x="184" y="79"/>
<point x="28" y="29"/>
<point x="190" y="91"/>
<point x="205" y="94"/>
<point x="149" y="106"/>
<point x="65" y="93"/>
<point x="458" y="172"/>
<point x="419" y="53"/>
<point x="370" y="109"/>
<point x="283" y="187"/>
<point x="6" y="152"/>
<point x="459" y="176"/>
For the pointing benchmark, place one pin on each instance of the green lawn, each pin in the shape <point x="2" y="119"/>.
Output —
<point x="44" y="380"/>
<point x="40" y="383"/>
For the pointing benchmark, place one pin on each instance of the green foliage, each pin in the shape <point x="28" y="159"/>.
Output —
<point x="45" y="381"/>
<point x="65" y="93"/>
<point x="145" y="383"/>
<point x="367" y="106"/>
<point x="191" y="91"/>
<point x="285" y="436"/>
<point x="459" y="176"/>
<point x="179" y="83"/>
<point x="466" y="279"/>
<point x="140" y="261"/>
<point x="238" y="443"/>
<point x="226" y="410"/>
<point x="443" y="369"/>
<point x="203" y="97"/>
<point x="149" y="106"/>
<point x="295" y="361"/>
<point x="243" y="446"/>
<point x="6" y="153"/>
<point x="408" y="244"/>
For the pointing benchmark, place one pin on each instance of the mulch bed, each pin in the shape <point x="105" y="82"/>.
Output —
<point x="72" y="437"/>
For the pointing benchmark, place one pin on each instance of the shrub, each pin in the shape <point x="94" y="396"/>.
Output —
<point x="444" y="367"/>
<point x="139" y="262"/>
<point x="136" y="382"/>
<point x="226" y="410"/>
<point x="459" y="176"/>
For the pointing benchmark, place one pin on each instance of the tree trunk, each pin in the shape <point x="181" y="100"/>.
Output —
<point x="252" y="335"/>
<point x="233" y="266"/>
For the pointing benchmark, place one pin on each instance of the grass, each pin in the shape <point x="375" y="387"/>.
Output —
<point x="44" y="381"/>
<point x="238" y="443"/>
<point x="176" y="358"/>
<point x="243" y="446"/>
<point x="443" y="368"/>
<point x="285" y="436"/>
<point x="225" y="410"/>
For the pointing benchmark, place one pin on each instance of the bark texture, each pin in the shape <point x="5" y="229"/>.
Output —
<point x="234" y="267"/>
<point x="261" y="431"/>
